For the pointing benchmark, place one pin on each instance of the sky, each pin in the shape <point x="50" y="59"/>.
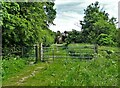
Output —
<point x="70" y="12"/>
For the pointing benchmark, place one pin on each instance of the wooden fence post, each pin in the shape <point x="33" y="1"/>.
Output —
<point x="37" y="53"/>
<point x="41" y="52"/>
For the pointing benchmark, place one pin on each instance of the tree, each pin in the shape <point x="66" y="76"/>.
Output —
<point x="50" y="12"/>
<point x="74" y="37"/>
<point x="96" y="22"/>
<point x="26" y="23"/>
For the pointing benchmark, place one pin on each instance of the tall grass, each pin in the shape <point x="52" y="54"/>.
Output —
<point x="100" y="71"/>
<point x="12" y="66"/>
<point x="96" y="72"/>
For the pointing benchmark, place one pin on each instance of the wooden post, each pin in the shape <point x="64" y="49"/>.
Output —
<point x="37" y="53"/>
<point x="41" y="52"/>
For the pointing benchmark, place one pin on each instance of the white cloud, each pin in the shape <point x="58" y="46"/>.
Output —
<point x="69" y="12"/>
<point x="58" y="2"/>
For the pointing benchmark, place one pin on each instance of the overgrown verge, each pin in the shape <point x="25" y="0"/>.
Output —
<point x="12" y="66"/>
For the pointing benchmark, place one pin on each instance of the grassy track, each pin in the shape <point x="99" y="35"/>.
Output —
<point x="101" y="71"/>
<point x="25" y="73"/>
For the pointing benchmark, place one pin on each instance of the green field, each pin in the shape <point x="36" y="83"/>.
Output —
<point x="99" y="71"/>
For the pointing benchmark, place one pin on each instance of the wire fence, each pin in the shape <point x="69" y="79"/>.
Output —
<point x="40" y="53"/>
<point x="26" y="52"/>
<point x="56" y="53"/>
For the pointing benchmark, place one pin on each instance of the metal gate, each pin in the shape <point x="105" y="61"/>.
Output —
<point x="57" y="53"/>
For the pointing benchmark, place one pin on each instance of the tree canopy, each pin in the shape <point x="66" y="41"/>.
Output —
<point x="97" y="27"/>
<point x="27" y="23"/>
<point x="96" y="21"/>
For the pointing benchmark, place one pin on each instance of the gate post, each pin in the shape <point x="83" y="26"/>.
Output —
<point x="41" y="52"/>
<point x="37" y="53"/>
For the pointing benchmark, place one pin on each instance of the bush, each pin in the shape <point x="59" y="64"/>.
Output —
<point x="105" y="39"/>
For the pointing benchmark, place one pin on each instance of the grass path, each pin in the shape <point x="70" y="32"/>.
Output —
<point x="33" y="73"/>
<point x="24" y="74"/>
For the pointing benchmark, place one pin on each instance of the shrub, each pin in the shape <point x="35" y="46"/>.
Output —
<point x="105" y="39"/>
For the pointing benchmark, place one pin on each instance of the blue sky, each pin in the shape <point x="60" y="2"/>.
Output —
<point x="70" y="12"/>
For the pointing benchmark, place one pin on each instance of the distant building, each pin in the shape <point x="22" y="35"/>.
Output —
<point x="60" y="37"/>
